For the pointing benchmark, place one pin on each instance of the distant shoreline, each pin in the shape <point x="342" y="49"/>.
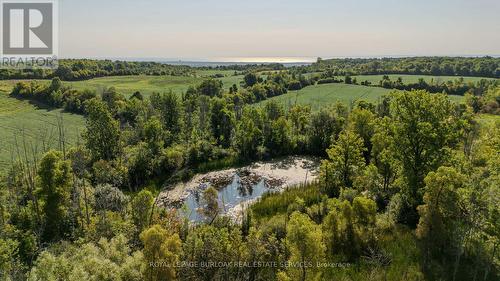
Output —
<point x="216" y="64"/>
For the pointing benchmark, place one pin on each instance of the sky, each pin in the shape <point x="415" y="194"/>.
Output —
<point x="293" y="29"/>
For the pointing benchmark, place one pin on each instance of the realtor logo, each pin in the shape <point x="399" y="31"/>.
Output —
<point x="28" y="32"/>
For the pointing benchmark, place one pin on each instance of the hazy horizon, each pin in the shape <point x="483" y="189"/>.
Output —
<point x="278" y="28"/>
<point x="249" y="60"/>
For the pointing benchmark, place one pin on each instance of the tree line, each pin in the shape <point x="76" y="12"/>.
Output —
<point x="452" y="87"/>
<point x="84" y="69"/>
<point x="451" y="66"/>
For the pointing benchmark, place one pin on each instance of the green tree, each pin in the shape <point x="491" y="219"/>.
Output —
<point x="259" y="92"/>
<point x="299" y="115"/>
<point x="383" y="152"/>
<point x="304" y="240"/>
<point x="109" y="198"/>
<point x="348" y="228"/>
<point x="142" y="206"/>
<point x="273" y="110"/>
<point x="170" y="109"/>
<point x="154" y="135"/>
<point x="345" y="159"/>
<point x="214" y="244"/>
<point x="210" y="87"/>
<point x="250" y="79"/>
<point x="102" y="134"/>
<point x="55" y="180"/>
<point x="362" y="122"/>
<point x="338" y="228"/>
<point x="324" y="127"/>
<point x="140" y="164"/>
<point x="222" y="121"/>
<point x="248" y="137"/>
<point x="135" y="110"/>
<point x="137" y="95"/>
<point x="365" y="211"/>
<point x="106" y="260"/>
<point x="55" y="84"/>
<point x="162" y="252"/>
<point x="423" y="126"/>
<point x="8" y="252"/>
<point x="441" y="216"/>
<point x="210" y="202"/>
<point x="279" y="139"/>
<point x="113" y="99"/>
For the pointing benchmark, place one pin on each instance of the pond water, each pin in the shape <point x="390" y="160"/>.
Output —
<point x="237" y="188"/>
<point x="229" y="196"/>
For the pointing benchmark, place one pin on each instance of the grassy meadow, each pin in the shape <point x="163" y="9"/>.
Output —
<point x="318" y="96"/>
<point x="22" y="122"/>
<point x="147" y="85"/>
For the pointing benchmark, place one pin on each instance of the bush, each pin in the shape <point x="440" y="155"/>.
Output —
<point x="294" y="85"/>
<point x="109" y="198"/>
<point x="53" y="95"/>
<point x="329" y="81"/>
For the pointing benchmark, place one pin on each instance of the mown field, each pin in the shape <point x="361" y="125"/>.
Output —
<point x="24" y="123"/>
<point x="318" y="96"/>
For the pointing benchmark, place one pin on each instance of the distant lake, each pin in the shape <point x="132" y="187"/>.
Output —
<point x="226" y="61"/>
<point x="215" y="64"/>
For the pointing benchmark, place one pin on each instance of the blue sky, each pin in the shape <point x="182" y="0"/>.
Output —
<point x="278" y="28"/>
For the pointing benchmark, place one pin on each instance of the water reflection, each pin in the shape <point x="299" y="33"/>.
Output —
<point x="229" y="196"/>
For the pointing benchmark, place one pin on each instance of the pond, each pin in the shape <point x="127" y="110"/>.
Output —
<point x="229" y="197"/>
<point x="237" y="188"/>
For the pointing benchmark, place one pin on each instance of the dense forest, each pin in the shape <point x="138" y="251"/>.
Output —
<point x="408" y="187"/>
<point x="452" y="66"/>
